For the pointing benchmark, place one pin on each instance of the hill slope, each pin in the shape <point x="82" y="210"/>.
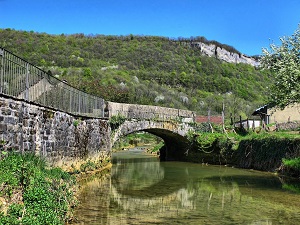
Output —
<point x="145" y="70"/>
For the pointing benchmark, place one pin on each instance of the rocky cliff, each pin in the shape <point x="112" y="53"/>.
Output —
<point x="213" y="50"/>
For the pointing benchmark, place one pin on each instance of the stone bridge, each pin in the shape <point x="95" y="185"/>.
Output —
<point x="70" y="140"/>
<point x="41" y="114"/>
<point x="172" y="125"/>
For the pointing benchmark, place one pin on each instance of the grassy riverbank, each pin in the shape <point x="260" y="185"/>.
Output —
<point x="275" y="151"/>
<point x="266" y="151"/>
<point x="33" y="194"/>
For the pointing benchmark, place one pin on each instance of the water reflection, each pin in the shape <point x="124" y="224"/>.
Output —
<point x="143" y="190"/>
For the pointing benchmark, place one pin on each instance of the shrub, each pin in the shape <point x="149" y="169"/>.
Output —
<point x="116" y="121"/>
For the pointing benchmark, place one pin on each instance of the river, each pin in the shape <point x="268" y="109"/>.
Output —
<point x="143" y="190"/>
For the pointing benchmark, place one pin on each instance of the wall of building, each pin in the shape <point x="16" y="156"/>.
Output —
<point x="60" y="138"/>
<point x="212" y="119"/>
<point x="289" y="114"/>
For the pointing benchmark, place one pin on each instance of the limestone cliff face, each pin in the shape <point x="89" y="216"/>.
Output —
<point x="212" y="50"/>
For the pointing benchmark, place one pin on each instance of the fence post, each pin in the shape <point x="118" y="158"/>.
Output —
<point x="27" y="83"/>
<point x="247" y="123"/>
<point x="241" y="125"/>
<point x="103" y="107"/>
<point x="79" y="103"/>
<point x="1" y="70"/>
<point x="45" y="89"/>
<point x="70" y="100"/>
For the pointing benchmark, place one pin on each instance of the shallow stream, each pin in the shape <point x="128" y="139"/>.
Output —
<point x="143" y="190"/>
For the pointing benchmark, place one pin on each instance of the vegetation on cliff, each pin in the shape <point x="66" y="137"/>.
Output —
<point x="145" y="70"/>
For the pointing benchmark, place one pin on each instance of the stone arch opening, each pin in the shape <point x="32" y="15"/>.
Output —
<point x="173" y="133"/>
<point x="175" y="144"/>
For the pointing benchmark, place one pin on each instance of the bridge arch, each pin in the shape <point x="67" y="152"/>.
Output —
<point x="174" y="134"/>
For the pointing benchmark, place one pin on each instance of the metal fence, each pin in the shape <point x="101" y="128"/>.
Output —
<point x="24" y="81"/>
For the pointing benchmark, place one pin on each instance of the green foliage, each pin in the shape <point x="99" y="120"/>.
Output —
<point x="76" y="122"/>
<point x="215" y="148"/>
<point x="47" y="194"/>
<point x="265" y="151"/>
<point x="291" y="167"/>
<point x="87" y="72"/>
<point x="157" y="147"/>
<point x="136" y="139"/>
<point x="262" y="151"/>
<point x="88" y="166"/>
<point x="116" y="121"/>
<point x="206" y="141"/>
<point x="202" y="127"/>
<point x="292" y="163"/>
<point x="284" y="61"/>
<point x="145" y="70"/>
<point x="294" y="187"/>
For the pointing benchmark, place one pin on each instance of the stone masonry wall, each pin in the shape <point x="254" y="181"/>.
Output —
<point x="58" y="137"/>
<point x="147" y="111"/>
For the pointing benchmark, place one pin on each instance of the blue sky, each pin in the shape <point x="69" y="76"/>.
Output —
<point x="247" y="25"/>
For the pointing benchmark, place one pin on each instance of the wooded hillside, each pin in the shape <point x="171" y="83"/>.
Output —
<point x="144" y="70"/>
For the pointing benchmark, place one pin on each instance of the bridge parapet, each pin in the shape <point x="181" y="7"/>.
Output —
<point x="134" y="111"/>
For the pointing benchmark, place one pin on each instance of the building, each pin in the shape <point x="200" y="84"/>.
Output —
<point x="288" y="114"/>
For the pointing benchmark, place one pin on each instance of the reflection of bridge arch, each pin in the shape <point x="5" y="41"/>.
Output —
<point x="164" y="173"/>
<point x="173" y="133"/>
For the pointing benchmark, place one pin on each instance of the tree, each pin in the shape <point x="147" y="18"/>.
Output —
<point x="284" y="62"/>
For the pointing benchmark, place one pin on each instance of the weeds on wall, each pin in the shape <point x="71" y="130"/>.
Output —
<point x="208" y="147"/>
<point x="116" y="121"/>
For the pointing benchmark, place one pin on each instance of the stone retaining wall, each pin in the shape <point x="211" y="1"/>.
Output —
<point x="291" y="126"/>
<point x="60" y="138"/>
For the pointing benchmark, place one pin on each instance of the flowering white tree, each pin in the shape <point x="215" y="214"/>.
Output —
<point x="284" y="62"/>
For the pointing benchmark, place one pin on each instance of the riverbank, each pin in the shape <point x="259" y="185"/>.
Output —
<point x="274" y="152"/>
<point x="277" y="152"/>
<point x="31" y="193"/>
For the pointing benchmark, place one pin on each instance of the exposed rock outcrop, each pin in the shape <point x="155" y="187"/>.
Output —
<point x="213" y="50"/>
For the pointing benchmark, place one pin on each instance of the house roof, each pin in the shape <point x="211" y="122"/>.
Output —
<point x="261" y="110"/>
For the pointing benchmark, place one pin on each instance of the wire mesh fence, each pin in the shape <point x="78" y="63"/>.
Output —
<point x="22" y="80"/>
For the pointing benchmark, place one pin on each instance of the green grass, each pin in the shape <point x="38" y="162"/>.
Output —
<point x="292" y="163"/>
<point x="45" y="195"/>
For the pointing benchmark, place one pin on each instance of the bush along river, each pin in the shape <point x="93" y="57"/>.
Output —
<point x="143" y="190"/>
